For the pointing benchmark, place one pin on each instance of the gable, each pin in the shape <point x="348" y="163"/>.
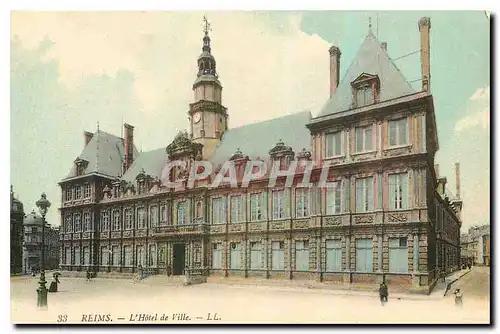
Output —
<point x="370" y="61"/>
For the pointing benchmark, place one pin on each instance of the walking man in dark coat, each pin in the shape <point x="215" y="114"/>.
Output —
<point x="383" y="292"/>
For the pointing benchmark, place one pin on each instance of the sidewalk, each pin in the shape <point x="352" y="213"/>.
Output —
<point x="339" y="289"/>
<point x="442" y="288"/>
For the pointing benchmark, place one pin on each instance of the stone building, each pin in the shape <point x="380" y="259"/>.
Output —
<point x="381" y="216"/>
<point x="475" y="245"/>
<point x="16" y="234"/>
<point x="32" y="251"/>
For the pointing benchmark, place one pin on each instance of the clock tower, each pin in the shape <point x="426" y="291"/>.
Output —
<point x="207" y="115"/>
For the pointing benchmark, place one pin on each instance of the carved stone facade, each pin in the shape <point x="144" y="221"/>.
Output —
<point x="375" y="221"/>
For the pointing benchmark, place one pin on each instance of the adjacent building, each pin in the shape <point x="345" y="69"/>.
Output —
<point x="475" y="245"/>
<point x="16" y="234"/>
<point x="383" y="216"/>
<point x="32" y="252"/>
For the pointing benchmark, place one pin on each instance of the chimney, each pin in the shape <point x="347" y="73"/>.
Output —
<point x="436" y="169"/>
<point x="424" y="26"/>
<point x="442" y="186"/>
<point x="457" y="174"/>
<point x="88" y="137"/>
<point x="129" y="146"/>
<point x="334" y="68"/>
<point x="384" y="46"/>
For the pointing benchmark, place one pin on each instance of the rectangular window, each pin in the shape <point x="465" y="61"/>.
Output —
<point x="237" y="209"/>
<point x="364" y="194"/>
<point x="280" y="204"/>
<point x="115" y="256"/>
<point x="78" y="222"/>
<point x="86" y="221"/>
<point x="235" y="256"/>
<point x="67" y="251"/>
<point x="398" y="132"/>
<point x="163" y="214"/>
<point x="219" y="210"/>
<point x="78" y="192"/>
<point x="141" y="218"/>
<point x="104" y="220"/>
<point x="333" y="198"/>
<point x="302" y="255"/>
<point x="333" y="255"/>
<point x="398" y="191"/>
<point x="141" y="256"/>
<point x="216" y="256"/>
<point x="86" y="191"/>
<point x="128" y="255"/>
<point x="181" y="213"/>
<point x="256" y="206"/>
<point x="104" y="256"/>
<point x="152" y="255"/>
<point x="86" y="255"/>
<point x="278" y="255"/>
<point x="333" y="144"/>
<point x="302" y="202"/>
<point x="364" y="96"/>
<point x="153" y="216"/>
<point x="364" y="139"/>
<point x="255" y="255"/>
<point x="128" y="219"/>
<point x="69" y="224"/>
<point x="69" y="194"/>
<point x="398" y="255"/>
<point x="77" y="256"/>
<point x="364" y="255"/>
<point x="116" y="220"/>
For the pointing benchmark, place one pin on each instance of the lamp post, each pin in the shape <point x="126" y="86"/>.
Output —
<point x="43" y="204"/>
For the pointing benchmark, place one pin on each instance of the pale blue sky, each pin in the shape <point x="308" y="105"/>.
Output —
<point x="69" y="71"/>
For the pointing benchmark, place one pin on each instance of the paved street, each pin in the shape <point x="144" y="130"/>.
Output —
<point x="233" y="304"/>
<point x="475" y="285"/>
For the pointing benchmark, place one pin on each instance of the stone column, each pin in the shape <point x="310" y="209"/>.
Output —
<point x="347" y="269"/>
<point x="319" y="270"/>
<point x="416" y="249"/>
<point x="380" y="248"/>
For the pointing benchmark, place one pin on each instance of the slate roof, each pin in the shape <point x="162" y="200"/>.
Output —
<point x="110" y="150"/>
<point x="152" y="162"/>
<point x="370" y="59"/>
<point x="256" y="139"/>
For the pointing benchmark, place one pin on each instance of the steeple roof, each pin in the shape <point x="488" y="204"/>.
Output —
<point x="207" y="71"/>
<point x="371" y="59"/>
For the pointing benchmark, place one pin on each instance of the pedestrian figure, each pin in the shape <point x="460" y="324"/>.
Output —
<point x="53" y="284"/>
<point x="89" y="275"/>
<point x="138" y="276"/>
<point x="383" y="292"/>
<point x="458" y="297"/>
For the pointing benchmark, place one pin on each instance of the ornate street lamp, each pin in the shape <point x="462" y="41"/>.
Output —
<point x="43" y="204"/>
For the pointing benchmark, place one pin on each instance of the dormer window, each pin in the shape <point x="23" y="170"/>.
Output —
<point x="365" y="90"/>
<point x="80" y="165"/>
<point x="364" y="96"/>
<point x="282" y="153"/>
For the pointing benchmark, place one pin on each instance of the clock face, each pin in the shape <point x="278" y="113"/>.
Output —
<point x="197" y="117"/>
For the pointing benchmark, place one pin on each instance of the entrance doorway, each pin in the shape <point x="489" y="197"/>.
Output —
<point x="178" y="259"/>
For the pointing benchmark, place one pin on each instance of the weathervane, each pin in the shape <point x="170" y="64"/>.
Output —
<point x="206" y="27"/>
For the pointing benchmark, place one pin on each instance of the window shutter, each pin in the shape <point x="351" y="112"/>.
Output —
<point x="369" y="189"/>
<point x="342" y="142"/>
<point x="359" y="195"/>
<point x="404" y="189"/>
<point x="264" y="204"/>
<point x="287" y="208"/>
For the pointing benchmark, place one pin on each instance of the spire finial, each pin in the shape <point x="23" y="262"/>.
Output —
<point x="370" y="23"/>
<point x="206" y="25"/>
